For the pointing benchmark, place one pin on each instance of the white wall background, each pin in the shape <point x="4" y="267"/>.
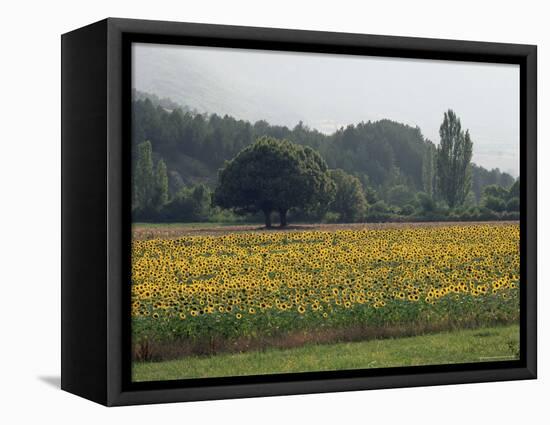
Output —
<point x="30" y="211"/>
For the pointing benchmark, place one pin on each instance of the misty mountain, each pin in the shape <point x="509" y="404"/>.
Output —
<point x="198" y="83"/>
<point x="327" y="92"/>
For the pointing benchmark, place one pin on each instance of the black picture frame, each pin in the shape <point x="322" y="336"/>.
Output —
<point x="96" y="92"/>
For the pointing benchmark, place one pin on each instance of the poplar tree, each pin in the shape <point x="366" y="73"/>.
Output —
<point x="143" y="177"/>
<point x="454" y="154"/>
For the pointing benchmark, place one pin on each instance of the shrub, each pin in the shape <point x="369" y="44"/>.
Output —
<point x="425" y="202"/>
<point x="331" y="217"/>
<point x="493" y="203"/>
<point x="379" y="207"/>
<point x="407" y="210"/>
<point x="513" y="205"/>
<point x="400" y="195"/>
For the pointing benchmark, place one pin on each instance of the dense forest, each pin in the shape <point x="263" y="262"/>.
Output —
<point x="392" y="164"/>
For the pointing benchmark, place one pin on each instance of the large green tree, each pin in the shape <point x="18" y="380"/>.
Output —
<point x="274" y="175"/>
<point x="454" y="154"/>
<point x="349" y="200"/>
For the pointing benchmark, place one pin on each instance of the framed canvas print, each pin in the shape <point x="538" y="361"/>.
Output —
<point x="252" y="212"/>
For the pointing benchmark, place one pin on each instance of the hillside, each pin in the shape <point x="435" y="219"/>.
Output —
<point x="382" y="154"/>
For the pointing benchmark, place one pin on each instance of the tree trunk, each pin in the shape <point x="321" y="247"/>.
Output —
<point x="282" y="219"/>
<point x="267" y="218"/>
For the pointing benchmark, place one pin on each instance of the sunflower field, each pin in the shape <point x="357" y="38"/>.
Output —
<point x="212" y="291"/>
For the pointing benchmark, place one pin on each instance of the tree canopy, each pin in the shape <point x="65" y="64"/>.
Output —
<point x="349" y="200"/>
<point x="380" y="153"/>
<point x="274" y="175"/>
<point x="393" y="162"/>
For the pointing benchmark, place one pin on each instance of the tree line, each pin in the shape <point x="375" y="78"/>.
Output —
<point x="378" y="170"/>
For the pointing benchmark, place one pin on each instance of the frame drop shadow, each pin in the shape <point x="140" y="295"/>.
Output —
<point x="53" y="381"/>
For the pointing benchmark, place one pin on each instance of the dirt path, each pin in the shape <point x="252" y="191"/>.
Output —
<point x="170" y="231"/>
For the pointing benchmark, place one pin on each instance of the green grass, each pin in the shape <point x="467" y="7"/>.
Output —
<point x="468" y="346"/>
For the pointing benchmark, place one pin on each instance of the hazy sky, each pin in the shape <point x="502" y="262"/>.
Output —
<point x="329" y="91"/>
